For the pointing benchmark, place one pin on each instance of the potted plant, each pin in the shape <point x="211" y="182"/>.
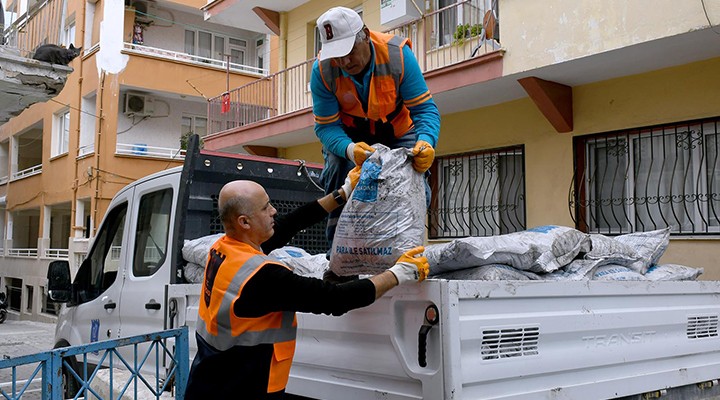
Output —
<point x="466" y="31"/>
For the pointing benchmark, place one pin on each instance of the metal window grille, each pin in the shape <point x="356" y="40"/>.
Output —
<point x="478" y="194"/>
<point x="311" y="239"/>
<point x="649" y="178"/>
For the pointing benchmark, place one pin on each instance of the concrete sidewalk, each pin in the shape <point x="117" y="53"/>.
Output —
<point x="19" y="338"/>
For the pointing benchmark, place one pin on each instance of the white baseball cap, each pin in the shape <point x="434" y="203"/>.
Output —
<point x="338" y="27"/>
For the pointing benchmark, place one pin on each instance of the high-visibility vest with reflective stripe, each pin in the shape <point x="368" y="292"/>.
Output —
<point x="236" y="263"/>
<point x="384" y="104"/>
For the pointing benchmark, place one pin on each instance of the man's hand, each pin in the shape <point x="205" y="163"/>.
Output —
<point x="410" y="268"/>
<point x="358" y="152"/>
<point x="423" y="156"/>
<point x="351" y="180"/>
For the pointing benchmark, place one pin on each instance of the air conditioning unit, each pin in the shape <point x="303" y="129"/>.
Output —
<point x="138" y="105"/>
<point x="144" y="11"/>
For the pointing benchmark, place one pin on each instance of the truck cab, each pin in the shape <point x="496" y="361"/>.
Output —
<point x="131" y="281"/>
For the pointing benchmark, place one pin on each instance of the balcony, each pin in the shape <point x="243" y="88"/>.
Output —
<point x="34" y="170"/>
<point x="192" y="59"/>
<point x="23" y="253"/>
<point x="24" y="81"/>
<point x="150" y="151"/>
<point x="147" y="130"/>
<point x="42" y="23"/>
<point x="26" y="154"/>
<point x="443" y="39"/>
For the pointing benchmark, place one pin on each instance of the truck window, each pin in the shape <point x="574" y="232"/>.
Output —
<point x="153" y="226"/>
<point x="99" y="270"/>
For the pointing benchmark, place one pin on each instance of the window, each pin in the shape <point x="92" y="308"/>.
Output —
<point x="446" y="22"/>
<point x="193" y="124"/>
<point x="260" y="53"/>
<point x="650" y="178"/>
<point x="69" y="35"/>
<point x="99" y="270"/>
<point x="190" y="42"/>
<point x="153" y="227"/>
<point x="61" y="136"/>
<point x="212" y="46"/>
<point x="237" y="49"/>
<point x="478" y="194"/>
<point x="456" y="22"/>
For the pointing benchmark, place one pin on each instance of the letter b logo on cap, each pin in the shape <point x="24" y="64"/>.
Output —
<point x="328" y="32"/>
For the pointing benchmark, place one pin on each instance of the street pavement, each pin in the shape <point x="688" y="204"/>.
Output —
<point x="18" y="338"/>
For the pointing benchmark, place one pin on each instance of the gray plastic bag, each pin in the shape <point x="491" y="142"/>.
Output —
<point x="385" y="216"/>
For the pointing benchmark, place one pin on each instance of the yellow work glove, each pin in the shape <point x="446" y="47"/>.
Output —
<point x="351" y="180"/>
<point x="410" y="268"/>
<point x="423" y="156"/>
<point x="359" y="152"/>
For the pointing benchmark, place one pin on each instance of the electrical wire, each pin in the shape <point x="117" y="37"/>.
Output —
<point x="196" y="27"/>
<point x="75" y="108"/>
<point x="133" y="124"/>
<point x="708" y="17"/>
<point x="114" y="174"/>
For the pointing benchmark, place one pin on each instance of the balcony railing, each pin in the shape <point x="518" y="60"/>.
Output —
<point x="139" y="149"/>
<point x="41" y="24"/>
<point x="27" y="172"/>
<point x="452" y="34"/>
<point x="3" y="179"/>
<point x="444" y="37"/>
<point x="281" y="93"/>
<point x="28" y="253"/>
<point x="57" y="253"/>
<point x="192" y="59"/>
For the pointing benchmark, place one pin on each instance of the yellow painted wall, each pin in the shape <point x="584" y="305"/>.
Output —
<point x="541" y="33"/>
<point x="670" y="95"/>
<point x="311" y="152"/>
<point x="140" y="72"/>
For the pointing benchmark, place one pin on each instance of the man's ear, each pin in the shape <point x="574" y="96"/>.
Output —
<point x="243" y="221"/>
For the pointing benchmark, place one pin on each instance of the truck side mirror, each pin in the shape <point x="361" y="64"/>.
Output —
<point x="59" y="285"/>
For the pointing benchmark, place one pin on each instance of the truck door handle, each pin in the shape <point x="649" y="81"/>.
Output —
<point x="110" y="305"/>
<point x="152" y="305"/>
<point x="431" y="319"/>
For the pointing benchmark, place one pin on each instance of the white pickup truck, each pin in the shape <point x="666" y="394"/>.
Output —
<point x="441" y="339"/>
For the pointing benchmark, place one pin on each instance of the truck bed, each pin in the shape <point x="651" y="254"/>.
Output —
<point x="515" y="340"/>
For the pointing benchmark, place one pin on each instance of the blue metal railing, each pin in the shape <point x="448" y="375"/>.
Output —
<point x="50" y="366"/>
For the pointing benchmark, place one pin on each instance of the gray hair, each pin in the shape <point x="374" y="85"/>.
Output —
<point x="361" y="36"/>
<point x="232" y="208"/>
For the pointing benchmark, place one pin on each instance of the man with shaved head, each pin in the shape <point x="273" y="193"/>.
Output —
<point x="246" y="319"/>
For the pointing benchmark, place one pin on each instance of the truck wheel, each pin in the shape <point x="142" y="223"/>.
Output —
<point x="70" y="384"/>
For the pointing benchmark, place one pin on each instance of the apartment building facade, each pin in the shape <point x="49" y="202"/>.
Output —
<point x="597" y="115"/>
<point x="137" y="89"/>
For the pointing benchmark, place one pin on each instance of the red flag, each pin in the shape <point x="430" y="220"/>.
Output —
<point x="225" y="103"/>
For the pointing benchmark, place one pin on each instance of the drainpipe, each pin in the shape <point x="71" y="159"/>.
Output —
<point x="98" y="138"/>
<point x="73" y="206"/>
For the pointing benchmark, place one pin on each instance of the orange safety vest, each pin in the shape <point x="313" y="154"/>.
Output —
<point x="384" y="103"/>
<point x="230" y="265"/>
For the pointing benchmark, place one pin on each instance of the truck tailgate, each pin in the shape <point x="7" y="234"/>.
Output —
<point x="514" y="340"/>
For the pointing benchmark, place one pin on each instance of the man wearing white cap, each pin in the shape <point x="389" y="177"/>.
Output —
<point x="367" y="88"/>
